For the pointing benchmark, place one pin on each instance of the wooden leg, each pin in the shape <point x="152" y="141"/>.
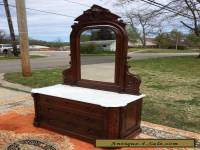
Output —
<point x="36" y="122"/>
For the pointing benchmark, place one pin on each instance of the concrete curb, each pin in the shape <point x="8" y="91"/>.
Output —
<point x="13" y="86"/>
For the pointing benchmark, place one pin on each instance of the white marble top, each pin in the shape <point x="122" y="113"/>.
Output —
<point x="92" y="96"/>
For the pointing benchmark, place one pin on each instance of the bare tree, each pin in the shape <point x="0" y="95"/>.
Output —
<point x="145" y="21"/>
<point x="188" y="9"/>
<point x="2" y="36"/>
<point x="191" y="10"/>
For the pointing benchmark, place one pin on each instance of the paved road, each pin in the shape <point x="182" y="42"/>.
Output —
<point x="61" y="59"/>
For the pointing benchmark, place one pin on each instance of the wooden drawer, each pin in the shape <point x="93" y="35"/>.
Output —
<point x="89" y="128"/>
<point x="85" y="108"/>
<point x="66" y="115"/>
<point x="87" y="121"/>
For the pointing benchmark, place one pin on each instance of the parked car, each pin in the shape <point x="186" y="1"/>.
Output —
<point x="5" y="48"/>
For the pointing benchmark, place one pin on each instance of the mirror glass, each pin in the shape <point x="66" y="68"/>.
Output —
<point x="97" y="52"/>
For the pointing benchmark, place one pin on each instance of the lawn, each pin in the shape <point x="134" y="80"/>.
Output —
<point x="39" y="78"/>
<point x="157" y="50"/>
<point x="100" y="54"/>
<point x="172" y="86"/>
<point x="4" y="57"/>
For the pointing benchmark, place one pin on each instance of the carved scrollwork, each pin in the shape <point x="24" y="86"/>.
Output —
<point x="96" y="13"/>
<point x="68" y="76"/>
<point x="132" y="84"/>
<point x="98" y="16"/>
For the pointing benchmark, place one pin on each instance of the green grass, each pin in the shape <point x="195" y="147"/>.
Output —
<point x="100" y="54"/>
<point x="97" y="53"/>
<point x="39" y="78"/>
<point x="4" y="57"/>
<point x="157" y="50"/>
<point x="171" y="85"/>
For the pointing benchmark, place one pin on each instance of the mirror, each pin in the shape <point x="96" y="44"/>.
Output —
<point x="97" y="53"/>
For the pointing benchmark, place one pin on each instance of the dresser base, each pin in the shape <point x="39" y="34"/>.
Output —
<point x="87" y="121"/>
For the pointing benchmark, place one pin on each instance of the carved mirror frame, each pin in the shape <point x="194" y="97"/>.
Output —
<point x="98" y="17"/>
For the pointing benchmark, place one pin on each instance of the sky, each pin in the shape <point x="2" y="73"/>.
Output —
<point x="49" y="27"/>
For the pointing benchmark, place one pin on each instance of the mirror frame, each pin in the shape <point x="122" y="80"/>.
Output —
<point x="97" y="17"/>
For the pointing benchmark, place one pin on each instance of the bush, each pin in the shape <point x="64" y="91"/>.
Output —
<point x="180" y="47"/>
<point x="88" y="48"/>
<point x="93" y="49"/>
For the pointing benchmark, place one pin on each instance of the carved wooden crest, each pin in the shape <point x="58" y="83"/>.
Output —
<point x="96" y="13"/>
<point x="98" y="17"/>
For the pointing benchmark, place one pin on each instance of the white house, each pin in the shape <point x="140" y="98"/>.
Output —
<point x="37" y="47"/>
<point x="150" y="42"/>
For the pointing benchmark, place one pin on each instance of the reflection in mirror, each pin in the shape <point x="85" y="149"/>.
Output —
<point x="97" y="48"/>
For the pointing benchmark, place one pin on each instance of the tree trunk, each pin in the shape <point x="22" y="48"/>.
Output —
<point x="144" y="37"/>
<point x="10" y="25"/>
<point x="176" y="42"/>
<point x="159" y="45"/>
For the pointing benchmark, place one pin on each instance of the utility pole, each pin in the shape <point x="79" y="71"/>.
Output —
<point x="23" y="36"/>
<point x="10" y="25"/>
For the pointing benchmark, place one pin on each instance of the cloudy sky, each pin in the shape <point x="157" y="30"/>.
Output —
<point x="51" y="27"/>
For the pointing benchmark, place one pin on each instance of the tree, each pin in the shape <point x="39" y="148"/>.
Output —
<point x="191" y="10"/>
<point x="102" y="34"/>
<point x="176" y="37"/>
<point x="163" y="40"/>
<point x="133" y="34"/>
<point x="85" y="37"/>
<point x="145" y="20"/>
<point x="2" y="36"/>
<point x="194" y="41"/>
<point x="187" y="9"/>
<point x="170" y="40"/>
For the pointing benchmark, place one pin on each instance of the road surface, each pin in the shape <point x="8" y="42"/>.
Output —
<point x="61" y="59"/>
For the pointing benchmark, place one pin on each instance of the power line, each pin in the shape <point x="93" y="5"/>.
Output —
<point x="167" y="8"/>
<point x="171" y="8"/>
<point x="85" y="5"/>
<point x="43" y="11"/>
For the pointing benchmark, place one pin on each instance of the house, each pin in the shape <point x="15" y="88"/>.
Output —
<point x="150" y="42"/>
<point x="111" y="44"/>
<point x="38" y="47"/>
<point x="180" y="44"/>
<point x="64" y="48"/>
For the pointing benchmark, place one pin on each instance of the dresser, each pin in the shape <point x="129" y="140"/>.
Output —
<point x="93" y="107"/>
<point x="87" y="117"/>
